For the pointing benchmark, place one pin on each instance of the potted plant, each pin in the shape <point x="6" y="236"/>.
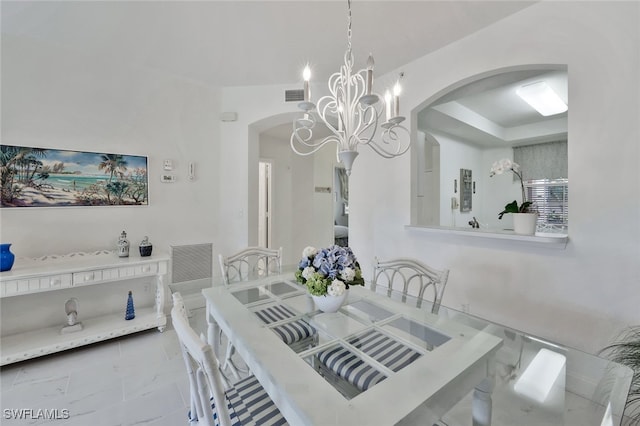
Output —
<point x="626" y="350"/>
<point x="327" y="274"/>
<point x="524" y="218"/>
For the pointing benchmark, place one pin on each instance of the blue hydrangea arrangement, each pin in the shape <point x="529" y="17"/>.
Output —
<point x="328" y="271"/>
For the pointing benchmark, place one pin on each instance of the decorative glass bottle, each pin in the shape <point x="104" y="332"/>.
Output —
<point x="131" y="312"/>
<point x="123" y="245"/>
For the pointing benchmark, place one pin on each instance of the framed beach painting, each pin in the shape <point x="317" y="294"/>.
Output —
<point x="41" y="177"/>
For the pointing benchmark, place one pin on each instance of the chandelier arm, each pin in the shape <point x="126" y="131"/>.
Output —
<point x="334" y="82"/>
<point x="359" y="84"/>
<point x="368" y="124"/>
<point x="303" y="128"/>
<point x="373" y="114"/>
<point x="315" y="146"/>
<point x="326" y="105"/>
<point x="303" y="133"/>
<point x="391" y="136"/>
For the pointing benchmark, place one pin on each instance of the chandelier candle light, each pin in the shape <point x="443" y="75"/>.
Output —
<point x="357" y="110"/>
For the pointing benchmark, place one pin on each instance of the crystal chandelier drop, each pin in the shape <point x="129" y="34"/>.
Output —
<point x="351" y="113"/>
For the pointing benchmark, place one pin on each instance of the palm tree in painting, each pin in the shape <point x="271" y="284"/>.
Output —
<point x="15" y="163"/>
<point x="113" y="164"/>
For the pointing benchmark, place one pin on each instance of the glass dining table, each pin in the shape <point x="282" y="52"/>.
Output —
<point x="380" y="360"/>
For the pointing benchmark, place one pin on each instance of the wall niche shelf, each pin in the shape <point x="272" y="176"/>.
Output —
<point x="90" y="270"/>
<point x="540" y="239"/>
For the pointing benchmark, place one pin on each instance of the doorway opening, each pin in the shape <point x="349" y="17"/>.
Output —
<point x="264" y="203"/>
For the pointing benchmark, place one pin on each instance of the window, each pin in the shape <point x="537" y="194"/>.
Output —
<point x="551" y="199"/>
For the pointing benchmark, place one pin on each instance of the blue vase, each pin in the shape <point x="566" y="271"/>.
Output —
<point x="6" y="257"/>
<point x="130" y="312"/>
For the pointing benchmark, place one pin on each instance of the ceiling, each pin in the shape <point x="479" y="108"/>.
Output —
<point x="244" y="43"/>
<point x="240" y="43"/>
<point x="488" y="113"/>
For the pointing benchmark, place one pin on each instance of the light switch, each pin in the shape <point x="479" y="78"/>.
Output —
<point x="167" y="165"/>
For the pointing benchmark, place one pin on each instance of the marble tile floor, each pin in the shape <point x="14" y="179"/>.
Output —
<point x="141" y="380"/>
<point x="138" y="379"/>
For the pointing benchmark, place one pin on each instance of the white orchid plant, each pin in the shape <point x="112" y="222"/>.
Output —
<point x="505" y="165"/>
<point x="328" y="271"/>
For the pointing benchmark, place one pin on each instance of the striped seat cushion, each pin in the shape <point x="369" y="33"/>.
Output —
<point x="249" y="405"/>
<point x="390" y="353"/>
<point x="290" y="332"/>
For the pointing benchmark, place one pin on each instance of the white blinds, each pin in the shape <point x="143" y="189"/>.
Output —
<point x="551" y="199"/>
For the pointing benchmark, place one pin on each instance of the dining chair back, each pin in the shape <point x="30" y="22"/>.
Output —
<point x="249" y="263"/>
<point x="245" y="403"/>
<point x="252" y="262"/>
<point x="412" y="278"/>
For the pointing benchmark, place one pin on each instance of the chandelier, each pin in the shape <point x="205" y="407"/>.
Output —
<point x="351" y="113"/>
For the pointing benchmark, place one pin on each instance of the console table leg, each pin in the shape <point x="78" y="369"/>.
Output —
<point x="160" y="300"/>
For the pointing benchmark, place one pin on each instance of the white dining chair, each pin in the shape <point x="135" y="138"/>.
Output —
<point x="245" y="403"/>
<point x="252" y="262"/>
<point x="411" y="278"/>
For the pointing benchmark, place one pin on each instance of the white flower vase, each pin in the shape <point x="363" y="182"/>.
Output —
<point x="329" y="303"/>
<point x="525" y="223"/>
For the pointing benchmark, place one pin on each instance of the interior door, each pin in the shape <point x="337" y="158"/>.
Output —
<point x="264" y="203"/>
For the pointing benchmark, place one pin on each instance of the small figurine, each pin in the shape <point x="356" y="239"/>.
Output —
<point x="145" y="247"/>
<point x="71" y="309"/>
<point x="123" y="245"/>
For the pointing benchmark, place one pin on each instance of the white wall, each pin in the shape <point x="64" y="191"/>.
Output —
<point x="300" y="216"/>
<point x="456" y="155"/>
<point x="282" y="190"/>
<point x="260" y="108"/>
<point x="53" y="98"/>
<point x="323" y="202"/>
<point x="580" y="296"/>
<point x="491" y="195"/>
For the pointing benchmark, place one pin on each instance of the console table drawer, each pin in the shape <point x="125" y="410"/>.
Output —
<point x="110" y="274"/>
<point x="36" y="284"/>
<point x="149" y="269"/>
<point x="129" y="272"/>
<point x="87" y="277"/>
<point x="56" y="281"/>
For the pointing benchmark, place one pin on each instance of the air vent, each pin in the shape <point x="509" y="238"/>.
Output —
<point x="294" y="95"/>
<point x="191" y="262"/>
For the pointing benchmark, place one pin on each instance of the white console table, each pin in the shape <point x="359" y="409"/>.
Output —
<point x="54" y="273"/>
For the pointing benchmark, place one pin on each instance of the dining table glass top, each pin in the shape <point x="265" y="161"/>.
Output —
<point x="381" y="359"/>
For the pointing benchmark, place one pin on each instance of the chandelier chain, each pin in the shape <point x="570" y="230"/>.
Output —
<point x="349" y="25"/>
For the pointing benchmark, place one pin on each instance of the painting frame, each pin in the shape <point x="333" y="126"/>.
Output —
<point x="51" y="177"/>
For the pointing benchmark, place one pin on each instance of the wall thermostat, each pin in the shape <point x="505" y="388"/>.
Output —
<point x="167" y="178"/>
